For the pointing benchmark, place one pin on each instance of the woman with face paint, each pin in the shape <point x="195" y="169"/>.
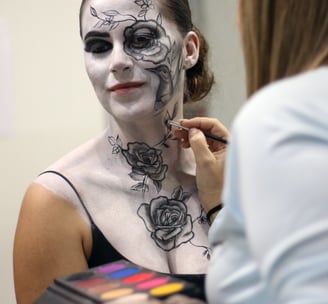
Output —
<point x="129" y="193"/>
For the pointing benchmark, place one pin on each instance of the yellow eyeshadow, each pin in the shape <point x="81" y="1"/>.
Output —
<point x="166" y="289"/>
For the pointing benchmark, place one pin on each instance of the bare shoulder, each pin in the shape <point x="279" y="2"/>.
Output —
<point x="51" y="240"/>
<point x="43" y="209"/>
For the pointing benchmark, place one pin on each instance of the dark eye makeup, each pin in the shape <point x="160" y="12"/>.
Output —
<point x="97" y="46"/>
<point x="142" y="39"/>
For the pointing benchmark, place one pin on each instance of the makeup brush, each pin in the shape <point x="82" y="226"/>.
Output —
<point x="211" y="136"/>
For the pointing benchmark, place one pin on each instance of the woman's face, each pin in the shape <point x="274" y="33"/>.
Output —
<point x="133" y="56"/>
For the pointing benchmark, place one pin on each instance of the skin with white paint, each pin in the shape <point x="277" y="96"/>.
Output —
<point x="136" y="181"/>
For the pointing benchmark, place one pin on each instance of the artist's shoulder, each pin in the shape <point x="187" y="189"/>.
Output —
<point x="297" y="98"/>
<point x="303" y="87"/>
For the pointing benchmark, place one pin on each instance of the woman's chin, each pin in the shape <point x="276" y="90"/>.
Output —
<point x="134" y="111"/>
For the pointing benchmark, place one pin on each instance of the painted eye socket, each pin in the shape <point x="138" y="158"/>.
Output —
<point x="142" y="39"/>
<point x="97" y="46"/>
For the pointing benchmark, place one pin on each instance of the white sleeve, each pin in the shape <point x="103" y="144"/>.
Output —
<point x="283" y="184"/>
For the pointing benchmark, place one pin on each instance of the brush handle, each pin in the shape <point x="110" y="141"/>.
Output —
<point x="216" y="138"/>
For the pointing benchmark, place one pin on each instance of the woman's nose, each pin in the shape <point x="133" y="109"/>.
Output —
<point x="120" y="61"/>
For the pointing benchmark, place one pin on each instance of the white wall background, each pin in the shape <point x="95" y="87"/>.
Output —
<point x="227" y="59"/>
<point x="54" y="105"/>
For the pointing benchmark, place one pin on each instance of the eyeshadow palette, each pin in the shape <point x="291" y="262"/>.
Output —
<point x="117" y="283"/>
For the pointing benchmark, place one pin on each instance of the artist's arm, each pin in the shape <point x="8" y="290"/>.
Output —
<point x="51" y="240"/>
<point x="209" y="155"/>
<point x="284" y="197"/>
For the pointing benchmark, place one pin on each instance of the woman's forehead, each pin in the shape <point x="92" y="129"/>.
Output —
<point x="107" y="15"/>
<point x="97" y="13"/>
<point x="138" y="9"/>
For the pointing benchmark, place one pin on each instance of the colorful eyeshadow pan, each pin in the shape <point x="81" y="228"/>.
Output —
<point x="103" y="288"/>
<point x="138" y="278"/>
<point x="91" y="282"/>
<point x="116" y="283"/>
<point x="111" y="268"/>
<point x="121" y="274"/>
<point x="152" y="283"/>
<point x="117" y="293"/>
<point x="167" y="289"/>
<point x="134" y="298"/>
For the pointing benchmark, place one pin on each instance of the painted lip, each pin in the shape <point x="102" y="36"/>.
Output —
<point x="123" y="87"/>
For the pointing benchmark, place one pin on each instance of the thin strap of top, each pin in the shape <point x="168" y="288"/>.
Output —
<point x="102" y="251"/>
<point x="74" y="189"/>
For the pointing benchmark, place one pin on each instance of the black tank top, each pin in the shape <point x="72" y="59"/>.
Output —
<point x="102" y="252"/>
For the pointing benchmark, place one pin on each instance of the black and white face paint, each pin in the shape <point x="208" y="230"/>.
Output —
<point x="136" y="61"/>
<point x="133" y="56"/>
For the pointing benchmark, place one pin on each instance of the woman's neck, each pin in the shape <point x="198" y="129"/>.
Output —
<point x="151" y="137"/>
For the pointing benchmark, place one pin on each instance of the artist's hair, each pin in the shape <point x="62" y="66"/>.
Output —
<point x="282" y="38"/>
<point x="199" y="78"/>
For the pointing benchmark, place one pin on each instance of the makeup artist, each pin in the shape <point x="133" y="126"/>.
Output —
<point x="131" y="191"/>
<point x="270" y="240"/>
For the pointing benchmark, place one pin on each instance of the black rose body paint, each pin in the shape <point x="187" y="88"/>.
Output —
<point x="167" y="220"/>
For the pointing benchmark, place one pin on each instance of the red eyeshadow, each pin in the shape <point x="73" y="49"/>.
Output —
<point x="138" y="278"/>
<point x="152" y="283"/>
<point x="91" y="282"/>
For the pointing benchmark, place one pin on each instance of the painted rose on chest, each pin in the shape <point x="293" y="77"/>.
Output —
<point x="167" y="220"/>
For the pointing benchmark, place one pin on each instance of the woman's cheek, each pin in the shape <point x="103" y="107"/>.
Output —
<point x="97" y="74"/>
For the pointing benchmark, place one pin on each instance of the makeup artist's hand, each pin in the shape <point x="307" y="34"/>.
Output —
<point x="209" y="155"/>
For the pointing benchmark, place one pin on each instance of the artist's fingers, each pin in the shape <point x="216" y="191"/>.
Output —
<point x="199" y="145"/>
<point x="209" y="169"/>
<point x="206" y="124"/>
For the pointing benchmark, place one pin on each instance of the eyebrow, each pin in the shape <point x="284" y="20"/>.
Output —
<point x="96" y="34"/>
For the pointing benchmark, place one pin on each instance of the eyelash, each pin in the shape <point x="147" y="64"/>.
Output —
<point x="97" y="46"/>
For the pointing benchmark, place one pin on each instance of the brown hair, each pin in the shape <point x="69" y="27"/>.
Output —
<point x="199" y="78"/>
<point x="282" y="38"/>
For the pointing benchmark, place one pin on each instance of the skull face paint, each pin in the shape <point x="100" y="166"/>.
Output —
<point x="133" y="56"/>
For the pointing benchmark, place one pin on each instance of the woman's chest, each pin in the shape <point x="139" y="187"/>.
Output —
<point x="166" y="231"/>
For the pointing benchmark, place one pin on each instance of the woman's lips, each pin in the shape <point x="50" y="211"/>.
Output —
<point x="123" y="88"/>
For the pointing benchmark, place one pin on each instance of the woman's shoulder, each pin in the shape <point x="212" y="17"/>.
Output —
<point x="65" y="176"/>
<point x="85" y="152"/>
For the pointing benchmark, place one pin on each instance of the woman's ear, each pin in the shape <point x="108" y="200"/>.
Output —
<point x="191" y="44"/>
